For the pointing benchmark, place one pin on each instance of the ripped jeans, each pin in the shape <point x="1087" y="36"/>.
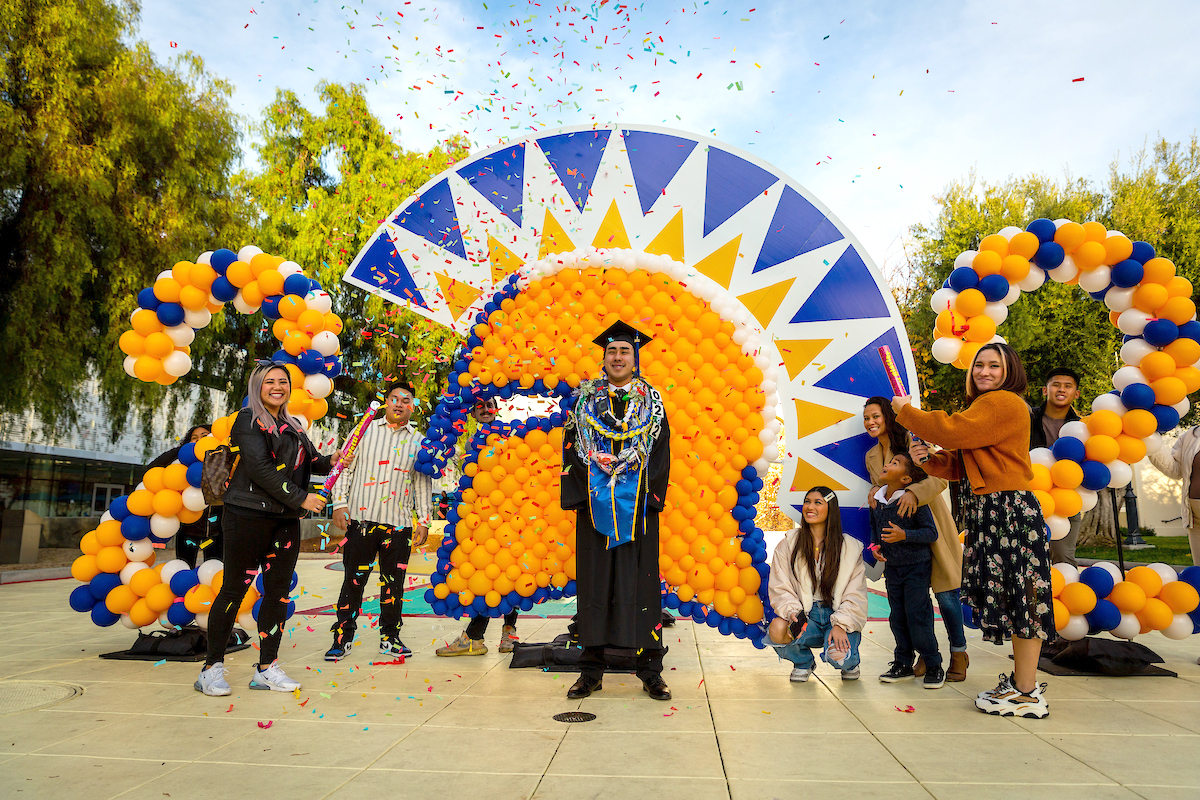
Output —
<point x="816" y="634"/>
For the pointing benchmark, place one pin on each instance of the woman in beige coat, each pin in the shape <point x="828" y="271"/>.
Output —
<point x="891" y="438"/>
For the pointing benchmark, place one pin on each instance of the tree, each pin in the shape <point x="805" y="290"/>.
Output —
<point x="326" y="183"/>
<point x="112" y="168"/>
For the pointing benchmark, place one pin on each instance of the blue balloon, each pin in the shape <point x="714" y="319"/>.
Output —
<point x="994" y="288"/>
<point x="1105" y="616"/>
<point x="187" y="454"/>
<point x="1095" y="475"/>
<point x="135" y="528"/>
<point x="178" y="614"/>
<point x="81" y="598"/>
<point x="1043" y="229"/>
<point x="1099" y="580"/>
<point x="221" y="260"/>
<point x="295" y="581"/>
<point x="1190" y="330"/>
<point x="1142" y="252"/>
<point x="284" y="356"/>
<point x="183" y="580"/>
<point x="1049" y="255"/>
<point x="963" y="278"/>
<point x="223" y="290"/>
<point x="1127" y="273"/>
<point x="1160" y="332"/>
<point x="310" y="362"/>
<point x="291" y="609"/>
<point x="969" y="617"/>
<point x="147" y="300"/>
<point x="119" y="507"/>
<point x="103" y="617"/>
<point x="104" y="583"/>
<point x="270" y="307"/>
<point x="438" y="606"/>
<point x="170" y="314"/>
<point x="1166" y="416"/>
<point x="296" y="284"/>
<point x="195" y="471"/>
<point x="256" y="608"/>
<point x="333" y="366"/>
<point x="1191" y="576"/>
<point x="1067" y="447"/>
<point x="1138" y="395"/>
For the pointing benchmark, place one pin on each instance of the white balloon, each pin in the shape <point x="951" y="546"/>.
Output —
<point x="171" y="568"/>
<point x="1133" y="351"/>
<point x="193" y="498"/>
<point x="997" y="339"/>
<point x="177" y="363"/>
<point x="163" y="527"/>
<point x="1111" y="569"/>
<point x="1070" y="574"/>
<point x="205" y="257"/>
<point x="942" y="300"/>
<point x="319" y="386"/>
<point x="304" y="421"/>
<point x="1132" y="321"/>
<point x="1154" y="443"/>
<point x="740" y="336"/>
<point x="127" y="621"/>
<point x="138" y="549"/>
<point x="202" y="621"/>
<point x="166" y="273"/>
<point x="166" y="623"/>
<point x="1121" y="474"/>
<point x="1088" y="497"/>
<point x="320" y="301"/>
<point x="1127" y="376"/>
<point x="1009" y="231"/>
<point x="761" y="361"/>
<point x="1165" y="571"/>
<point x="1118" y="299"/>
<point x="965" y="258"/>
<point x="771" y="453"/>
<point x="1064" y="271"/>
<point x="766" y="435"/>
<point x="247" y="622"/>
<point x="1182" y="407"/>
<point x="1058" y="223"/>
<point x="1034" y="280"/>
<point x="1077" y="429"/>
<point x="181" y="335"/>
<point x="242" y="306"/>
<point x="1075" y="629"/>
<point x="1059" y="527"/>
<point x="129" y="569"/>
<point x="1180" y="627"/>
<point x="248" y="252"/>
<point x="1110" y="234"/>
<point x="946" y="350"/>
<point x="139" y="487"/>
<point x="1096" y="280"/>
<point x="212" y="300"/>
<point x="128" y="365"/>
<point x="1014" y="294"/>
<point x="1043" y="456"/>
<point x="1128" y="628"/>
<point x="996" y="312"/>
<point x="208" y="570"/>
<point x="197" y="319"/>
<point x="105" y="517"/>
<point x="1109" y="402"/>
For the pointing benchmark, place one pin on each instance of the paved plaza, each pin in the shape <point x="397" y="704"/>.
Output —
<point x="472" y="727"/>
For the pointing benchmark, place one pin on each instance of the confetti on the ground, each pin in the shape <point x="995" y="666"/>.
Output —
<point x="267" y="724"/>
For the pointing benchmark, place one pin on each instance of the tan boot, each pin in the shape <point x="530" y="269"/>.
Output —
<point x="958" y="667"/>
<point x="919" y="667"/>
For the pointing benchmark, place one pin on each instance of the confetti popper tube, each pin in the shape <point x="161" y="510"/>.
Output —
<point x="348" y="448"/>
<point x="893" y="373"/>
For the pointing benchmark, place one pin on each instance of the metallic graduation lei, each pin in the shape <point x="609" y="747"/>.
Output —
<point x="599" y="429"/>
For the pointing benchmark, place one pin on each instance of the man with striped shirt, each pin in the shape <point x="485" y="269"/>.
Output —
<point x="376" y="500"/>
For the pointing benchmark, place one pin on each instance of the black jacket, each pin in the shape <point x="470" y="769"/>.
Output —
<point x="274" y="473"/>
<point x="919" y="529"/>
<point x="1037" y="434"/>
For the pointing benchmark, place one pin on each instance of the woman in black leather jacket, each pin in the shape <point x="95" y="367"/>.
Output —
<point x="267" y="494"/>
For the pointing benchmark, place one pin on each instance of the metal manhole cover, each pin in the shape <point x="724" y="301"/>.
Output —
<point x="574" y="716"/>
<point x="17" y="696"/>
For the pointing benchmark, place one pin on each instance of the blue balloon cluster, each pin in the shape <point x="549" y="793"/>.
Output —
<point x="1191" y="576"/>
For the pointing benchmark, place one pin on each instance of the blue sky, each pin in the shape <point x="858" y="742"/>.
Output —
<point x="873" y="106"/>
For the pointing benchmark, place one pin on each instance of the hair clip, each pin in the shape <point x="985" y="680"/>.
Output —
<point x="829" y="497"/>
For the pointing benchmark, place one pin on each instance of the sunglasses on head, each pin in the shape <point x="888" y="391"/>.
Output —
<point x="269" y="362"/>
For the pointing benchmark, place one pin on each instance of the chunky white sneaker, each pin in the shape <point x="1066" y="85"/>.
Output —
<point x="1014" y="703"/>
<point x="212" y="681"/>
<point x="274" y="679"/>
<point x="799" y="674"/>
<point x="986" y="696"/>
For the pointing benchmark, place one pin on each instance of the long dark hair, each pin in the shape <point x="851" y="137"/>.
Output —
<point x="1015" y="380"/>
<point x="897" y="434"/>
<point x="805" y="548"/>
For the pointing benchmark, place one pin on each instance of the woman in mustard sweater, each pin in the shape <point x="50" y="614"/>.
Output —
<point x="1006" y="578"/>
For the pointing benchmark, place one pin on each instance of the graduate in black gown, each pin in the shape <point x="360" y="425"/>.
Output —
<point x="617" y="459"/>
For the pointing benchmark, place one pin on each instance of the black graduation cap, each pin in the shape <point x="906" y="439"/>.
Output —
<point x="621" y="331"/>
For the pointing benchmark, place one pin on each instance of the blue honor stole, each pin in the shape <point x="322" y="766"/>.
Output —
<point x="614" y="505"/>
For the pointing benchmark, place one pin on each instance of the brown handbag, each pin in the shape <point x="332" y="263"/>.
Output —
<point x="219" y="464"/>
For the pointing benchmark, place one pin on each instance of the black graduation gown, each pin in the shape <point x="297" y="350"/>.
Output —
<point x="618" y="590"/>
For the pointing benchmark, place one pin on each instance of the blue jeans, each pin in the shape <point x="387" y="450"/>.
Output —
<point x="816" y="634"/>
<point x="952" y="614"/>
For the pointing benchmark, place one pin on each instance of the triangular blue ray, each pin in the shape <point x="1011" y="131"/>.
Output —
<point x="848" y="291"/>
<point x="500" y="178"/>
<point x="794" y="223"/>
<point x="654" y="159"/>
<point x="855" y="521"/>
<point x="863" y="374"/>
<point x="575" y="158"/>
<point x="826" y="233"/>
<point x="432" y="216"/>
<point x="382" y="267"/>
<point x="730" y="184"/>
<point x="850" y="453"/>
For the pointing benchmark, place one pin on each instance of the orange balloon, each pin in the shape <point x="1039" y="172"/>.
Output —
<point x="1190" y="377"/>
<point x="1157" y="365"/>
<point x="1094" y="232"/>
<point x="1158" y="270"/>
<point x="1102" y="448"/>
<point x="1041" y="481"/>
<point x="1156" y="614"/>
<point x="271" y="282"/>
<point x="1181" y="597"/>
<point x="261" y="263"/>
<point x="1117" y="249"/>
<point x="994" y="243"/>
<point x="159" y="345"/>
<point x="311" y="321"/>
<point x="1067" y="502"/>
<point x="147" y="368"/>
<point x="1139" y="423"/>
<point x="1147" y="579"/>
<point x="987" y="262"/>
<point x="1104" y="423"/>
<point x="980" y="329"/>
<point x="154" y="478"/>
<point x="84" y="568"/>
<point x="145" y="322"/>
<point x="970" y="302"/>
<point x="193" y="298"/>
<point x="291" y="307"/>
<point x="1149" y="297"/>
<point x="1168" y="391"/>
<point x="167" y="290"/>
<point x="159" y="597"/>
<point x="1089" y="255"/>
<point x="252" y="294"/>
<point x="1127" y="596"/>
<point x="167" y="503"/>
<point x="1066" y="474"/>
<point x="202" y="276"/>
<point x="1177" y="309"/>
<point x="174" y="477"/>
<point x="238" y="273"/>
<point x="1023" y="244"/>
<point x="1015" y="268"/>
<point x="132" y="343"/>
<point x="1186" y="352"/>
<point x="333" y="323"/>
<point x="1078" y="598"/>
<point x="1070" y="235"/>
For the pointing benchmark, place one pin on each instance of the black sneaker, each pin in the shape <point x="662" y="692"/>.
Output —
<point x="897" y="672"/>
<point x="392" y="646"/>
<point x="935" y="677"/>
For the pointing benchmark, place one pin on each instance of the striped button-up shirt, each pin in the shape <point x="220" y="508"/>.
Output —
<point x="382" y="485"/>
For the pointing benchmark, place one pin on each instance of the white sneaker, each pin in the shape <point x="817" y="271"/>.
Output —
<point x="851" y="674"/>
<point x="273" y="678"/>
<point x="212" y="681"/>
<point x="1015" y="703"/>
<point x="1005" y="684"/>
<point x="799" y="674"/>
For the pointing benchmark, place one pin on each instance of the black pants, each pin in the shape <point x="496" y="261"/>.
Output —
<point x="270" y="544"/>
<point x="592" y="665"/>
<point x="202" y="536"/>
<point x="477" y="627"/>
<point x="911" y="617"/>
<point x="366" y="541"/>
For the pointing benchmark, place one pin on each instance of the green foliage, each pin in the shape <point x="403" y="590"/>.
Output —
<point x="1156" y="199"/>
<point x="112" y="168"/>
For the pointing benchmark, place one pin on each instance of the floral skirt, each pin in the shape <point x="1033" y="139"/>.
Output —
<point x="1006" y="566"/>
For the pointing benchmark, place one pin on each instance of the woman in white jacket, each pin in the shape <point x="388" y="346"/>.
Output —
<point x="817" y="573"/>
<point x="1180" y="464"/>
